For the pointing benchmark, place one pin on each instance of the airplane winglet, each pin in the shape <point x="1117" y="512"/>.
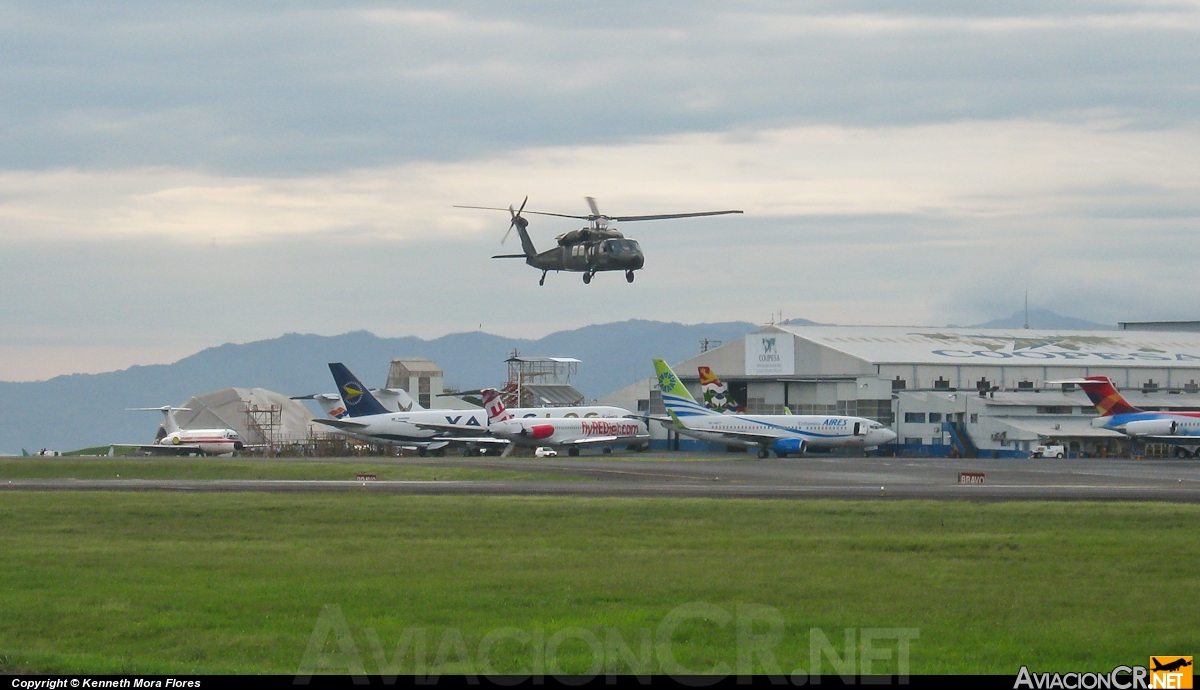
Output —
<point x="675" y="418"/>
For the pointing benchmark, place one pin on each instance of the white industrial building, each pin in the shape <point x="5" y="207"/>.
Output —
<point x="422" y="379"/>
<point x="985" y="391"/>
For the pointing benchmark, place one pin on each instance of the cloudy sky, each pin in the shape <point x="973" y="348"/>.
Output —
<point x="175" y="176"/>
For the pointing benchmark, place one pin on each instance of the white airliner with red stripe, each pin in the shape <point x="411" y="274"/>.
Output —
<point x="557" y="431"/>
<point x="187" y="441"/>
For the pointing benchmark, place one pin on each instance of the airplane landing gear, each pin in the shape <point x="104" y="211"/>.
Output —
<point x="628" y="276"/>
<point x="543" y="280"/>
<point x="763" y="453"/>
<point x="587" y="277"/>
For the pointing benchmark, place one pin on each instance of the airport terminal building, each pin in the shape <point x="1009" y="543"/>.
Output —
<point x="989" y="392"/>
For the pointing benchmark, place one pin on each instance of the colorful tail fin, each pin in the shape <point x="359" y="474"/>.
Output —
<point x="494" y="404"/>
<point x="1105" y="397"/>
<point x="675" y="395"/>
<point x="716" y="394"/>
<point x="358" y="398"/>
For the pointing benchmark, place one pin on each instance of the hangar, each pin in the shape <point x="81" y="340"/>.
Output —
<point x="259" y="416"/>
<point x="988" y="392"/>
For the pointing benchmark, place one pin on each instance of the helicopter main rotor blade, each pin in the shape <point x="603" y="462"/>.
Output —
<point x="668" y="216"/>
<point x="622" y="219"/>
<point x="536" y="213"/>
<point x="591" y="202"/>
<point x="486" y="208"/>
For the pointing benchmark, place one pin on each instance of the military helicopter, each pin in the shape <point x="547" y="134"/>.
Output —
<point x="590" y="250"/>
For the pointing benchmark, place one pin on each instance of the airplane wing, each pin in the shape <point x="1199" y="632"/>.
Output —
<point x="434" y="426"/>
<point x="602" y="439"/>
<point x="472" y="439"/>
<point x="590" y="439"/>
<point x="342" y="424"/>
<point x="740" y="435"/>
<point x="182" y="449"/>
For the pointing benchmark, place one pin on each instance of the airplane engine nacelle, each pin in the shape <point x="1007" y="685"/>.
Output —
<point x="1152" y="427"/>
<point x="541" y="430"/>
<point x="789" y="445"/>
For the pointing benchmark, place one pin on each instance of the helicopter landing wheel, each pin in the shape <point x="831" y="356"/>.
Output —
<point x="543" y="280"/>
<point x="587" y="278"/>
<point x="628" y="276"/>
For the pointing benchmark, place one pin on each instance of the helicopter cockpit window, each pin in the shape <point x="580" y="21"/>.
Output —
<point x="620" y="246"/>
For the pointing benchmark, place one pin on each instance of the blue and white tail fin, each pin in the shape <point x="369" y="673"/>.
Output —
<point x="675" y="395"/>
<point x="358" y="398"/>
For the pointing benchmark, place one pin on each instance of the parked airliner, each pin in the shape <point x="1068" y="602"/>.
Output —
<point x="571" y="432"/>
<point x="1180" y="429"/>
<point x="188" y="441"/>
<point x="784" y="434"/>
<point x="430" y="430"/>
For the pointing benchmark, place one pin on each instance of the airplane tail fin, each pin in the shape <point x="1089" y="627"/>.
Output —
<point x="716" y="394"/>
<point x="675" y="395"/>
<point x="1103" y="394"/>
<point x="494" y="404"/>
<point x="401" y="398"/>
<point x="331" y="404"/>
<point x="170" y="426"/>
<point x="358" y="398"/>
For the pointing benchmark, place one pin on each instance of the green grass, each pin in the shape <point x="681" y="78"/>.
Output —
<point x="220" y="468"/>
<point x="170" y="583"/>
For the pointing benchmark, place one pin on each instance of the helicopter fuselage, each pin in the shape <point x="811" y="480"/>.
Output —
<point x="590" y="251"/>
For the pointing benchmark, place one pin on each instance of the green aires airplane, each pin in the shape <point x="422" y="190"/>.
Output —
<point x="784" y="434"/>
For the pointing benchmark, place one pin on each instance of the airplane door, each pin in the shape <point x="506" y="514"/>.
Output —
<point x="857" y="427"/>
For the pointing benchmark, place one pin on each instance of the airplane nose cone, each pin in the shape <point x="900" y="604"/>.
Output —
<point x="888" y="436"/>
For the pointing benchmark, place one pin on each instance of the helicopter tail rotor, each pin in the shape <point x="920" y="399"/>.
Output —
<point x="516" y="219"/>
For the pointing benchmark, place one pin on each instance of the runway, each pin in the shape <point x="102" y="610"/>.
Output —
<point x="720" y="477"/>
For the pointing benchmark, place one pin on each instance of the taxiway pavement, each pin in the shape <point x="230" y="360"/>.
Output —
<point x="718" y="476"/>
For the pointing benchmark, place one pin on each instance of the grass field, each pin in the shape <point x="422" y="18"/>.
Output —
<point x="154" y="582"/>
<point x="222" y="468"/>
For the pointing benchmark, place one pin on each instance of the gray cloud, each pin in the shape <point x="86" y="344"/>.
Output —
<point x="918" y="165"/>
<point x="285" y="88"/>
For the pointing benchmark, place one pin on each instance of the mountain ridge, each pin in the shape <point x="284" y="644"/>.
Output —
<point x="81" y="410"/>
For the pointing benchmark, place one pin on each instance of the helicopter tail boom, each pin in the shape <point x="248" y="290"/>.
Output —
<point x="526" y="244"/>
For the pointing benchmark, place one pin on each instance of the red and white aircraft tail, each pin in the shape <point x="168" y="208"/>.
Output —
<point x="494" y="404"/>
